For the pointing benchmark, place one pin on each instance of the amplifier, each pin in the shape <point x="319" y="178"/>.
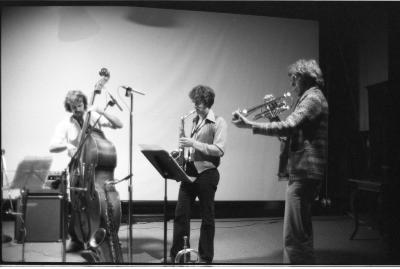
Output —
<point x="43" y="218"/>
<point x="53" y="182"/>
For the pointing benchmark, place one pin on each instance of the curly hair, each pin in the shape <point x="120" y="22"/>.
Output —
<point x="309" y="70"/>
<point x="74" y="97"/>
<point x="202" y="95"/>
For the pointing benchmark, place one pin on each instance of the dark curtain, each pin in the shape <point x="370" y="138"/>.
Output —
<point x="339" y="62"/>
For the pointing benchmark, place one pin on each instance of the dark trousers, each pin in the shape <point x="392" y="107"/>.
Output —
<point x="204" y="188"/>
<point x="297" y="223"/>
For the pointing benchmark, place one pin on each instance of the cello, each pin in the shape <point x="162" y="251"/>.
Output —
<point x="96" y="207"/>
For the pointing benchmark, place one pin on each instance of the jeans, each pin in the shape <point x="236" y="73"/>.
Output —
<point x="204" y="187"/>
<point x="297" y="224"/>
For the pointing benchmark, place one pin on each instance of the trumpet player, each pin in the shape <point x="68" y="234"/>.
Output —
<point x="306" y="130"/>
<point x="206" y="147"/>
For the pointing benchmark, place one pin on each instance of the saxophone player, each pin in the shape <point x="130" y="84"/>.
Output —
<point x="306" y="129"/>
<point x="206" y="147"/>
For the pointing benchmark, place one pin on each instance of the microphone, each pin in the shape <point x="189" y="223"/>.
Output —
<point x="110" y="182"/>
<point x="129" y="89"/>
<point x="9" y="212"/>
<point x="114" y="101"/>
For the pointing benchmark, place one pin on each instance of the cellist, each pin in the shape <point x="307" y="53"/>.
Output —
<point x="66" y="137"/>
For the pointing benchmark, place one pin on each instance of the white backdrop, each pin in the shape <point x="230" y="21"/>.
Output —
<point x="47" y="51"/>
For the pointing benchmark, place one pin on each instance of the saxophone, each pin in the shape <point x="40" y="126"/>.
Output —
<point x="179" y="154"/>
<point x="115" y="246"/>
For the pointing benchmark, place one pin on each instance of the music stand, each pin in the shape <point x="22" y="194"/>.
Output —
<point x="168" y="169"/>
<point x="31" y="173"/>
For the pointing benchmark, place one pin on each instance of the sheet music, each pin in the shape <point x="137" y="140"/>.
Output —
<point x="31" y="173"/>
<point x="164" y="163"/>
<point x="151" y="147"/>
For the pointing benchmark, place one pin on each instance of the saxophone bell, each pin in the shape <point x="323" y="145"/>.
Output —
<point x="97" y="238"/>
<point x="93" y="253"/>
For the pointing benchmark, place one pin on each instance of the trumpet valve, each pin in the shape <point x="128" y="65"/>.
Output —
<point x="268" y="97"/>
<point x="287" y="94"/>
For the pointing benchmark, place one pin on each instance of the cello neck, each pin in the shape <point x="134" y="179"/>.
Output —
<point x="105" y="76"/>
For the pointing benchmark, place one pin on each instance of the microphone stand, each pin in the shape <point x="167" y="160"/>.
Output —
<point x="4" y="238"/>
<point x="130" y="93"/>
<point x="130" y="250"/>
<point x="64" y="216"/>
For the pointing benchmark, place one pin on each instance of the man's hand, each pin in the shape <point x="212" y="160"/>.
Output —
<point x="71" y="149"/>
<point x="186" y="142"/>
<point x="115" y="123"/>
<point x="241" y="121"/>
<point x="96" y="109"/>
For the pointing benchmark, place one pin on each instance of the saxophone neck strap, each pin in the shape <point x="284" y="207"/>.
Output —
<point x="197" y="126"/>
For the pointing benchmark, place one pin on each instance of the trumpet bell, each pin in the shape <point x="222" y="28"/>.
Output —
<point x="186" y="256"/>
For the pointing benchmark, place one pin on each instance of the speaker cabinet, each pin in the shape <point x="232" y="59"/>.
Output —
<point x="43" y="218"/>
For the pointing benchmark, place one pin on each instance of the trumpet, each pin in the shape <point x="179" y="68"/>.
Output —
<point x="271" y="107"/>
<point x="185" y="253"/>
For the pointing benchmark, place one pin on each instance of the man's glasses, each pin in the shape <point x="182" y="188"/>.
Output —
<point x="200" y="106"/>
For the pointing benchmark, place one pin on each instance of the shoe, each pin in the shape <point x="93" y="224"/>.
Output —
<point x="5" y="238"/>
<point x="185" y="257"/>
<point x="74" y="246"/>
<point x="204" y="261"/>
<point x="90" y="256"/>
<point x="169" y="260"/>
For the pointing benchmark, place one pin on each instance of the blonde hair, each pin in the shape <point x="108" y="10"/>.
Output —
<point x="74" y="97"/>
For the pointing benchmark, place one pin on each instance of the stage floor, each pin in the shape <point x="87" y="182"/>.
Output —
<point x="237" y="241"/>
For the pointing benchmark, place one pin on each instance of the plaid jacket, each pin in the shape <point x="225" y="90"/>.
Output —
<point x="306" y="129"/>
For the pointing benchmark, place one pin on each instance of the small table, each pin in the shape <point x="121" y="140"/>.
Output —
<point x="362" y="185"/>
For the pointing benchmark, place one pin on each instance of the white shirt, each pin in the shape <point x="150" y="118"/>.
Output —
<point x="68" y="130"/>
